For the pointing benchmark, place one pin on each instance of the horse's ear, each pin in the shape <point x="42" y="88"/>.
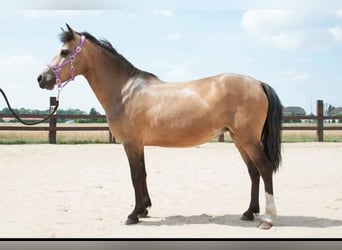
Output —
<point x="62" y="29"/>
<point x="71" y="31"/>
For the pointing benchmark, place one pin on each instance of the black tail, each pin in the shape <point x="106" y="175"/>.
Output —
<point x="271" y="133"/>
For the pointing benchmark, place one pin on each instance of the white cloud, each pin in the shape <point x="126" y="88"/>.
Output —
<point x="5" y="15"/>
<point x="286" y="41"/>
<point x="260" y="21"/>
<point x="175" y="37"/>
<point x="162" y="12"/>
<point x="166" y="13"/>
<point x="175" y="71"/>
<point x="178" y="74"/>
<point x="297" y="76"/>
<point x="19" y="74"/>
<point x="338" y="13"/>
<point x="19" y="61"/>
<point x="133" y="15"/>
<point x="336" y="33"/>
<point x="20" y="69"/>
<point x="301" y="76"/>
<point x="291" y="29"/>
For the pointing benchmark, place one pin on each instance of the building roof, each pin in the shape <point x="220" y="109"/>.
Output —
<point x="293" y="110"/>
<point x="336" y="111"/>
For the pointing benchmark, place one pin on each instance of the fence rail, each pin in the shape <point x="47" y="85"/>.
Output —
<point x="52" y="127"/>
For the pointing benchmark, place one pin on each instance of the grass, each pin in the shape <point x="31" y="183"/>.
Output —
<point x="102" y="137"/>
<point x="305" y="136"/>
<point x="63" y="137"/>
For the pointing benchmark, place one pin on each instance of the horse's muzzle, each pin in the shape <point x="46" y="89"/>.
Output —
<point x="46" y="80"/>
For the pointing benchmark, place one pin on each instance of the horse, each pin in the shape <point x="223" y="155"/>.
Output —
<point x="142" y="110"/>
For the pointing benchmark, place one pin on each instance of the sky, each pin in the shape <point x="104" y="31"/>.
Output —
<point x="297" y="49"/>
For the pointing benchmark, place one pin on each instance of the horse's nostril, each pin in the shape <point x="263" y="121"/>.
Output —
<point x="40" y="78"/>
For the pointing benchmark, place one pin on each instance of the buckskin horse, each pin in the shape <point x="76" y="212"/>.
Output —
<point x="142" y="110"/>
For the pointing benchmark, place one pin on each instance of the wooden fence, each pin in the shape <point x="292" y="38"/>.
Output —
<point x="52" y="128"/>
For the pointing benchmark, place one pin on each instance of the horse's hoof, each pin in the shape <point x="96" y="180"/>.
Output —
<point x="132" y="221"/>
<point x="265" y="225"/>
<point x="247" y="217"/>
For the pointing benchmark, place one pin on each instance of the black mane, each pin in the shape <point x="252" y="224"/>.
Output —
<point x="66" y="36"/>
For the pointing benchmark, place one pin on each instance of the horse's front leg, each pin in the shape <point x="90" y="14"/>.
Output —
<point x="138" y="179"/>
<point x="146" y="196"/>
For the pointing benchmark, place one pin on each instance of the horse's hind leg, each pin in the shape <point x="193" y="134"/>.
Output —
<point x="254" y="175"/>
<point x="138" y="175"/>
<point x="264" y="167"/>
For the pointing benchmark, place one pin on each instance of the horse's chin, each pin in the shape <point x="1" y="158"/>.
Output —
<point x="47" y="86"/>
<point x="50" y="87"/>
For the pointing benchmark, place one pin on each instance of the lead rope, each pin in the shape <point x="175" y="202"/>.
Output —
<point x="31" y="123"/>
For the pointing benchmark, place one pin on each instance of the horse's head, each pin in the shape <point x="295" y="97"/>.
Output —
<point x="66" y="64"/>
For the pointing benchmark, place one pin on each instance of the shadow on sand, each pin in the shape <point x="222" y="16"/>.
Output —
<point x="234" y="220"/>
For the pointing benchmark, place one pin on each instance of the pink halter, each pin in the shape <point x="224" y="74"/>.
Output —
<point x="71" y="60"/>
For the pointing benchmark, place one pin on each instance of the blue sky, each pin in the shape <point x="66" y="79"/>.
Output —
<point x="298" y="50"/>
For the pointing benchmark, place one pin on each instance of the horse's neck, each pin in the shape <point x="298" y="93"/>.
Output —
<point x="106" y="79"/>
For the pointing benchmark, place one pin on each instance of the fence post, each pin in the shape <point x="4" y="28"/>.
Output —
<point x="320" y="120"/>
<point x="52" y="122"/>
<point x="111" y="138"/>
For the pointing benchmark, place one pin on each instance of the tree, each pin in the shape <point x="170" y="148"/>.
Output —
<point x="94" y="112"/>
<point x="330" y="109"/>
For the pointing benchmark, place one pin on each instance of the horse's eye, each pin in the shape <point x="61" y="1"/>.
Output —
<point x="64" y="52"/>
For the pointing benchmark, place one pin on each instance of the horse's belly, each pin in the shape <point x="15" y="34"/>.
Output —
<point x="181" y="137"/>
<point x="186" y="127"/>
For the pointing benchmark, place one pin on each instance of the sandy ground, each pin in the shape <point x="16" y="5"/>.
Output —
<point x="86" y="191"/>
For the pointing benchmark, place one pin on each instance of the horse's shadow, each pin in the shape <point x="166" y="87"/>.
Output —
<point x="234" y="220"/>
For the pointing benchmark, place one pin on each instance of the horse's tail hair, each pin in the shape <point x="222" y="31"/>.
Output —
<point x="271" y="133"/>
